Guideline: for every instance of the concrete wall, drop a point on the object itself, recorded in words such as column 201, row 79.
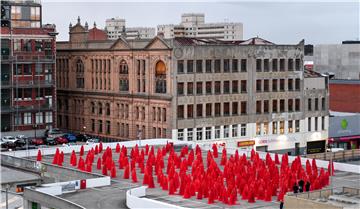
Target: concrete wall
column 296, row 203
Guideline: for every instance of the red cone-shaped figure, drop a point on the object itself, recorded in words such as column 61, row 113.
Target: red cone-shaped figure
column 113, row 172
column 39, row 156
column 96, row 149
column 117, row 149
column 133, row 175
column 100, row 147
column 151, row 181
column 82, row 150
column 126, row 172
column 98, row 165
column 104, row 171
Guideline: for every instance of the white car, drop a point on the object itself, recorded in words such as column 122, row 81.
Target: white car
column 9, row 139
column 92, row 141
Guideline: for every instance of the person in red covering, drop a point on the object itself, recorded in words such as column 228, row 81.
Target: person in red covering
column 127, row 172
column 113, row 172
column 39, row 156
column 82, row 150
column 215, row 150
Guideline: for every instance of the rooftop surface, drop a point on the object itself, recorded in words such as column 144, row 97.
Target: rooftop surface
column 13, row 176
column 114, row 196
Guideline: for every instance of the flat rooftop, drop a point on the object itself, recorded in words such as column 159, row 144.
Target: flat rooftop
column 14, row 176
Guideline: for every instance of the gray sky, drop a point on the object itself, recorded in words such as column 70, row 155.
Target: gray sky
column 279, row 22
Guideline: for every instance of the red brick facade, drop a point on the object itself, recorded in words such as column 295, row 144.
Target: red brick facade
column 345, row 97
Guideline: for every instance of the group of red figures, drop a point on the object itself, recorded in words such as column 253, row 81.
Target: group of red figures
column 185, row 173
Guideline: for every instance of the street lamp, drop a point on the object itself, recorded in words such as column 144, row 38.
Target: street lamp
column 84, row 130
column 329, row 146
column 7, row 187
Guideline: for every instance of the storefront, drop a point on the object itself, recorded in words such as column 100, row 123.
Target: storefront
column 344, row 130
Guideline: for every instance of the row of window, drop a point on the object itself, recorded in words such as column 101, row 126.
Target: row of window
column 277, row 127
column 278, row 106
column 315, row 105
column 212, row 109
column 29, row 118
column 263, row 65
column 277, row 85
column 212, row 87
column 208, row 133
column 316, row 127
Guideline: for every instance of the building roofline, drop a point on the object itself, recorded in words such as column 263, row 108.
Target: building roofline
column 344, row 81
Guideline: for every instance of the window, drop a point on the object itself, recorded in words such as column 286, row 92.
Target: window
column 226, row 109
column 226, row 66
column 274, row 126
column 100, row 126
column 180, row 111
column 309, row 124
column 297, row 126
column 282, row 84
column 323, row 104
column 199, row 110
column 163, row 114
column 235, row 87
column 217, row 87
column 297, row 104
column 243, row 129
column 243, row 86
column 190, row 134
column 217, row 66
column 226, row 87
column 190, row 88
column 282, row 127
column 199, row 134
column 181, row 134
column 217, row 109
column 108, row 127
column 208, row 66
column 274, row 106
column 92, row 125
column 235, row 108
column 180, row 88
column 199, row 88
column 266, row 106
column 160, row 77
column 316, row 124
column 258, row 85
column 180, row 66
column 123, row 76
column 274, row 85
column 207, row 133
column 290, row 85
column 234, row 130
column 290, row 105
column 226, row 132
column 208, row 110
column 258, row 129
column 297, row 65
column 190, row 66
column 48, row 117
column 243, row 65
column 323, row 123
column 199, row 67
column 258, row 107
column 266, row 65
column 282, row 64
column 107, row 106
column 297, row 84
column 290, row 126
column 309, row 104
column 208, row 87
column 217, row 132
column 316, row 104
column 290, row 65
column 190, row 111
column 99, row 109
column 243, row 108
column 258, row 65
column 39, row 117
column 265, row 128
column 274, row 65
column 93, row 107
column 266, row 85
column 235, row 67
column 282, row 105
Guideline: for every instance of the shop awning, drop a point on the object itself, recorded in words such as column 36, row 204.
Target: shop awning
column 348, row 138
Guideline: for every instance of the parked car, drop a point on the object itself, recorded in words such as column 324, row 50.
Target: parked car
column 82, row 137
column 55, row 132
column 92, row 141
column 20, row 140
column 7, row 145
column 61, row 140
column 8, row 138
column 50, row 141
column 70, row 137
column 37, row 141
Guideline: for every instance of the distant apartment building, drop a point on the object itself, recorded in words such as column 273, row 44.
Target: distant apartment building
column 116, row 28
column 340, row 61
column 247, row 94
column 28, row 92
column 193, row 26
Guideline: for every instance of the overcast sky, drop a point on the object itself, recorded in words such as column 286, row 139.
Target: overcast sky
column 279, row 22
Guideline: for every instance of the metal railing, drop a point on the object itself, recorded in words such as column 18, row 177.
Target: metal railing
column 337, row 156
column 28, row 58
column 8, row 109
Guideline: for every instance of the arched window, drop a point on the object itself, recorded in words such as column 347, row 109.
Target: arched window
column 93, row 107
column 100, row 108
column 160, row 77
column 123, row 76
column 79, row 74
column 107, row 105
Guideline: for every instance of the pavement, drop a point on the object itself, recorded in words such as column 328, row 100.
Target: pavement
column 114, row 196
column 15, row 201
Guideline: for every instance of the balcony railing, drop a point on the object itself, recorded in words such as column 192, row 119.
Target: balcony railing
column 28, row 58
column 29, row 108
column 31, row 83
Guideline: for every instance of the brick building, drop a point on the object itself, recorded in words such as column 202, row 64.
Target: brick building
column 248, row 94
column 344, row 95
column 27, row 69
